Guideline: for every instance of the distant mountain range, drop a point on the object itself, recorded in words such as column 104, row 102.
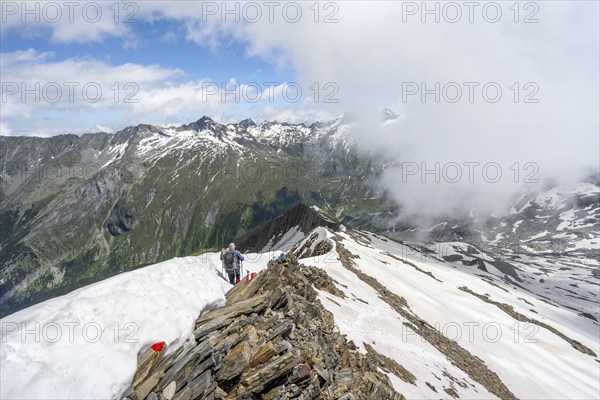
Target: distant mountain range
column 78, row 208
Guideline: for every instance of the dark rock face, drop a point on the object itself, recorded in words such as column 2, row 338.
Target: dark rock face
column 247, row 123
column 300, row 215
column 272, row 340
column 204, row 124
column 120, row 220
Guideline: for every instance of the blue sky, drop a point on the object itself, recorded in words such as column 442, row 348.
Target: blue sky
column 160, row 45
column 198, row 61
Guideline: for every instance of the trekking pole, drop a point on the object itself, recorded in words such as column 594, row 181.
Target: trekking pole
column 222, row 265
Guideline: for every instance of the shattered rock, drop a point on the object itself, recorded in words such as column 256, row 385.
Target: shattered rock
column 272, row 340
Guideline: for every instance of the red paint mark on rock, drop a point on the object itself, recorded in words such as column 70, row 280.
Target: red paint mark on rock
column 158, row 347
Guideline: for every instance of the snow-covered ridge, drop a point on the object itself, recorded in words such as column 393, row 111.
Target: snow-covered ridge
column 164, row 300
column 531, row 360
column 556, row 198
column 85, row 344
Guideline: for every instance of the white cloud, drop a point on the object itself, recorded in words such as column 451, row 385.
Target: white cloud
column 372, row 55
column 169, row 37
column 66, row 22
column 34, row 84
column 104, row 129
column 5, row 129
column 29, row 56
column 31, row 83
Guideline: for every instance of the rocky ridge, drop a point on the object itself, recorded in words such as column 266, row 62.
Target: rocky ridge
column 300, row 216
column 272, row 340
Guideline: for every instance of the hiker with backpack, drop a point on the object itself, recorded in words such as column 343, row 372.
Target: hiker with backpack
column 232, row 259
column 282, row 260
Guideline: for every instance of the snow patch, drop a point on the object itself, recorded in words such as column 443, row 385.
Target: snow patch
column 85, row 344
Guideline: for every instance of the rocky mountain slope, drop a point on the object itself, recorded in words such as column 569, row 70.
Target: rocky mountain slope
column 455, row 330
column 561, row 219
column 78, row 209
column 278, row 234
column 74, row 207
column 549, row 245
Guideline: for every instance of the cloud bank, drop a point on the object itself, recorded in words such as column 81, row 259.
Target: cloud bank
column 493, row 96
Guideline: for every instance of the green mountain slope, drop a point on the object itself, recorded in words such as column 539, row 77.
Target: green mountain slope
column 79, row 207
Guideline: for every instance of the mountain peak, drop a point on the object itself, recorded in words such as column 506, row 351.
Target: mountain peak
column 204, row 123
column 299, row 216
column 247, row 123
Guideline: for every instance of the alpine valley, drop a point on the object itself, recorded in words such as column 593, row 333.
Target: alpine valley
column 85, row 207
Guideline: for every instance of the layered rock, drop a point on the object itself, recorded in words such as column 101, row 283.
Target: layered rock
column 272, row 340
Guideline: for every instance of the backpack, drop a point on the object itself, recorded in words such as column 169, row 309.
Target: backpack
column 283, row 260
column 230, row 259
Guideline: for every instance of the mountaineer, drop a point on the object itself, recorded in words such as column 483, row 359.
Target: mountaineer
column 232, row 261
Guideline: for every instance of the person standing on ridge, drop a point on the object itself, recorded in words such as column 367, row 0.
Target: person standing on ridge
column 231, row 259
